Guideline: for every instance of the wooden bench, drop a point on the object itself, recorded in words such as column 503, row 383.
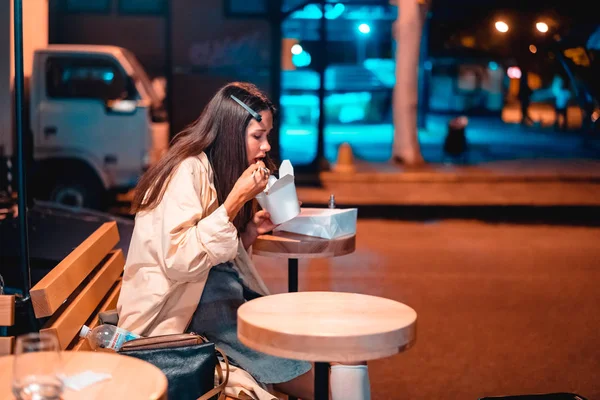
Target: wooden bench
column 7, row 318
column 84, row 284
column 72, row 294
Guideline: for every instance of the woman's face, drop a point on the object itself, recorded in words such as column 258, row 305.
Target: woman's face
column 257, row 137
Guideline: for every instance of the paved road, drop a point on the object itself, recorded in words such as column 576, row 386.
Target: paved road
column 503, row 309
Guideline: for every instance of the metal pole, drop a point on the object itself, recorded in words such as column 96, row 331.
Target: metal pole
column 21, row 164
column 424, row 74
column 321, row 381
column 169, row 65
column 320, row 160
column 292, row 275
column 276, row 21
column 292, row 286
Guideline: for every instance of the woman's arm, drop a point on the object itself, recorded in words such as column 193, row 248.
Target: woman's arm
column 191, row 241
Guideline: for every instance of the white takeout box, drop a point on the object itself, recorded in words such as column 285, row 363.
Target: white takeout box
column 326, row 223
column 280, row 199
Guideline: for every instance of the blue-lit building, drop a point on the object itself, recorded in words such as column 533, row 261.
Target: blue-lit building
column 200, row 45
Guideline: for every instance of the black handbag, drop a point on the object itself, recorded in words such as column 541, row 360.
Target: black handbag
column 189, row 362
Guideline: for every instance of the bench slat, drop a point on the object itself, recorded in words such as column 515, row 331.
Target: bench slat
column 7, row 310
column 50, row 292
column 109, row 304
column 6, row 345
column 70, row 321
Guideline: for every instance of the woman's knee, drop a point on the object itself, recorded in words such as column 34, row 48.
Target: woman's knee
column 301, row 387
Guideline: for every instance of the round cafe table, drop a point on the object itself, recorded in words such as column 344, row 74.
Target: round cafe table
column 326, row 327
column 132, row 379
column 294, row 246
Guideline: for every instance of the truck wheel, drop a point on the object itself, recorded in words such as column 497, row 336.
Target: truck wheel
column 82, row 192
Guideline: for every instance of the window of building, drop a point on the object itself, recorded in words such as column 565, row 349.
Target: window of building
column 245, row 8
column 87, row 6
column 151, row 7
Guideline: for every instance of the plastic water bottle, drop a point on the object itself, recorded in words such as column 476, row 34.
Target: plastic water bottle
column 106, row 336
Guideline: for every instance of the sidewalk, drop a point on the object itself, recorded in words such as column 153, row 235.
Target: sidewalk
column 506, row 165
column 529, row 182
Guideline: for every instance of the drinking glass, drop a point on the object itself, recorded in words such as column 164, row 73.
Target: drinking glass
column 37, row 368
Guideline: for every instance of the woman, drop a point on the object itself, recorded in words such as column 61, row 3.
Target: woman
column 187, row 268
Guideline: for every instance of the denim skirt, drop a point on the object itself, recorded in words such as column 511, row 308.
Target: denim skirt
column 216, row 318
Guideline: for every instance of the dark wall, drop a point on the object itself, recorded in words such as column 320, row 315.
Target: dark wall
column 143, row 34
column 210, row 48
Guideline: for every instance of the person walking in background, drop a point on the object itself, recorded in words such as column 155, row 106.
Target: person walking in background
column 562, row 95
column 525, row 97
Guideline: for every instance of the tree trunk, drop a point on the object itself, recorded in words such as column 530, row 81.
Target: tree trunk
column 407, row 31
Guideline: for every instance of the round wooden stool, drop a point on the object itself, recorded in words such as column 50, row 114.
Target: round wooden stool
column 294, row 246
column 326, row 327
column 132, row 379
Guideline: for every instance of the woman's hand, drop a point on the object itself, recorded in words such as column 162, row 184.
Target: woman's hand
column 261, row 223
column 253, row 181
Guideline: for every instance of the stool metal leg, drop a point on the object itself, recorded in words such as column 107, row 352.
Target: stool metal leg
column 321, row 381
column 292, row 275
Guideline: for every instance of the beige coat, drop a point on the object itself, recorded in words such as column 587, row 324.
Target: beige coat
column 172, row 249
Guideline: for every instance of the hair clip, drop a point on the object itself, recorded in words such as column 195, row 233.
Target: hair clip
column 254, row 114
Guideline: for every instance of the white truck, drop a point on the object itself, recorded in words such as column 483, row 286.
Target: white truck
column 94, row 122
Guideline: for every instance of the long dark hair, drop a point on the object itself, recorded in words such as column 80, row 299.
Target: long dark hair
column 220, row 132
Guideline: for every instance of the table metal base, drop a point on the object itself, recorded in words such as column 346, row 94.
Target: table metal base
column 292, row 285
column 321, row 381
column 292, row 275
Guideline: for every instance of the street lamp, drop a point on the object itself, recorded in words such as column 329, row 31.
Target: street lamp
column 501, row 26
column 542, row 27
column 364, row 30
column 297, row 49
column 514, row 72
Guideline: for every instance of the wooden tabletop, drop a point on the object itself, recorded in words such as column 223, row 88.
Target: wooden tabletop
column 132, row 379
column 293, row 245
column 327, row 326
